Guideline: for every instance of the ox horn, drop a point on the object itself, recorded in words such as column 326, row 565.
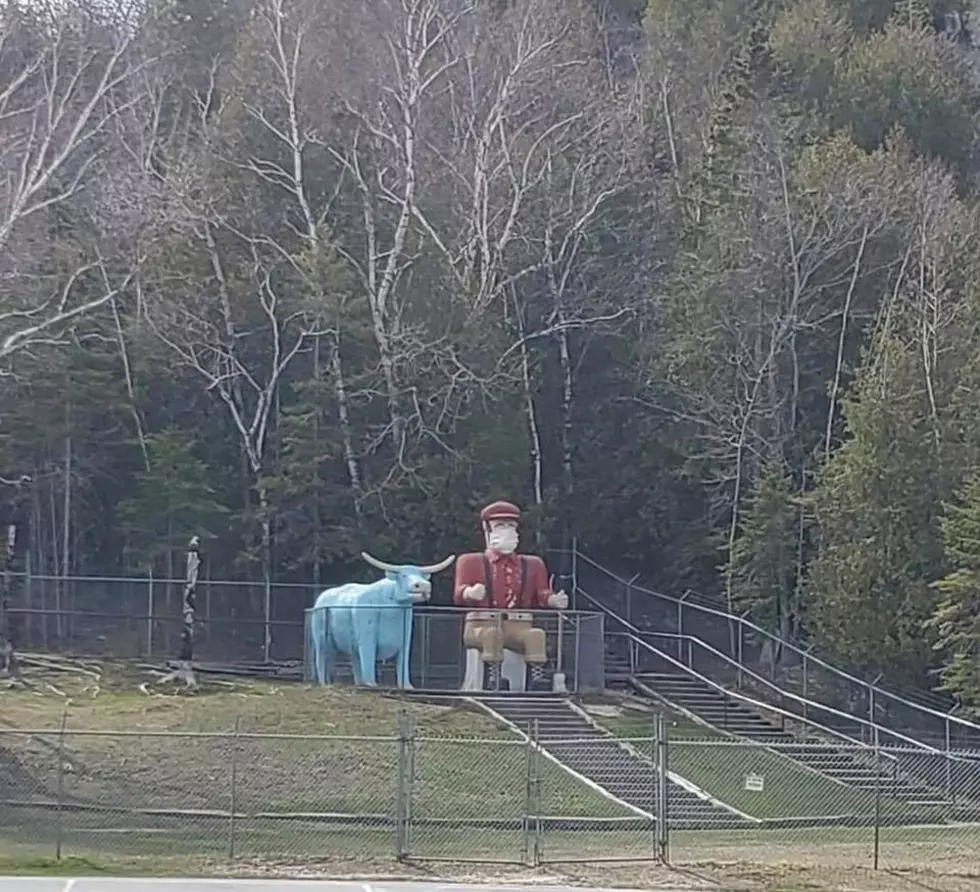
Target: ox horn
column 435, row 568
column 380, row 565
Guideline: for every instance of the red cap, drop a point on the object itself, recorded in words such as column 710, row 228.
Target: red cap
column 500, row 511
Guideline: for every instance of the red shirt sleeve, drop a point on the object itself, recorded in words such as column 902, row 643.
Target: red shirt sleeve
column 469, row 571
column 538, row 586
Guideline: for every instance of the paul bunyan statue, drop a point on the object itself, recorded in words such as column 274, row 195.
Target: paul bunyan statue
column 499, row 579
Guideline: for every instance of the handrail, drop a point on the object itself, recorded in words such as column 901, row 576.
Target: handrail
column 758, row 704
column 913, row 742
column 730, row 617
column 636, row 635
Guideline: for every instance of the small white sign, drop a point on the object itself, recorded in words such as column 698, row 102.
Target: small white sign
column 755, row 782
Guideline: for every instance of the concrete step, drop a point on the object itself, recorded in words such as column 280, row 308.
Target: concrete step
column 604, row 761
column 711, row 706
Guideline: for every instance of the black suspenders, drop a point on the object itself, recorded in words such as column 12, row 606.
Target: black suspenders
column 488, row 577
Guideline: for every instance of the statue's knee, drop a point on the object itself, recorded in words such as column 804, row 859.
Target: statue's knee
column 535, row 643
column 535, row 639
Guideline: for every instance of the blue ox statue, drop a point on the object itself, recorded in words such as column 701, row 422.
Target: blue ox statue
column 370, row 622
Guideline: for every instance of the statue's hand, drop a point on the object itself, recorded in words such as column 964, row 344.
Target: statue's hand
column 558, row 600
column 475, row 592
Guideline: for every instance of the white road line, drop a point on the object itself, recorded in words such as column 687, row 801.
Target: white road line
column 68, row 886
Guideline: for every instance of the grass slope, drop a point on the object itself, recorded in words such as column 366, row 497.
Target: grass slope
column 335, row 753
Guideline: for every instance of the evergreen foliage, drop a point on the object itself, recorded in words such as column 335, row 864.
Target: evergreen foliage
column 956, row 619
column 685, row 279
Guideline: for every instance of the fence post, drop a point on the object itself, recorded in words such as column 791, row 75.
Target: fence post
column 663, row 779
column 631, row 642
column 949, row 762
column 535, row 802
column 526, row 806
column 877, row 843
column 59, row 839
column 680, row 625
column 871, row 704
column 403, row 793
column 234, row 790
column 740, row 655
column 27, row 597
column 655, row 784
column 530, row 827
column 574, row 573
column 426, row 646
column 806, row 689
column 149, row 614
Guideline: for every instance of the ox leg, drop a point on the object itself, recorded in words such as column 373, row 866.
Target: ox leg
column 366, row 638
column 329, row 660
column 404, row 657
column 355, row 665
column 317, row 641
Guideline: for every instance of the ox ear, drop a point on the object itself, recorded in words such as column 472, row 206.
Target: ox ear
column 392, row 575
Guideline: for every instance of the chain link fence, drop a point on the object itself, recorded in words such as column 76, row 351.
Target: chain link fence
column 121, row 618
column 140, row 617
column 237, row 795
column 923, row 714
column 831, row 806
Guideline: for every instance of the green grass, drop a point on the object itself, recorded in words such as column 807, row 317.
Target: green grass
column 719, row 765
column 335, row 751
column 165, row 847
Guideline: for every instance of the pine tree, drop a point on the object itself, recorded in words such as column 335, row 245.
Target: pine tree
column 956, row 619
column 174, row 500
column 764, row 560
column 876, row 507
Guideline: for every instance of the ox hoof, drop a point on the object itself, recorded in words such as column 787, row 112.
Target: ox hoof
column 408, row 686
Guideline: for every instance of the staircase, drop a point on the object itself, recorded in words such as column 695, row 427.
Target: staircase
column 616, row 670
column 910, row 716
column 572, row 739
column 731, row 715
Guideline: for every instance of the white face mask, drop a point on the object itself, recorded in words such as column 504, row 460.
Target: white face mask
column 503, row 540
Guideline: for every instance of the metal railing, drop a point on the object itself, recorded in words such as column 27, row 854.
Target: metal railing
column 763, row 708
column 574, row 639
column 793, row 667
column 937, row 769
column 574, row 643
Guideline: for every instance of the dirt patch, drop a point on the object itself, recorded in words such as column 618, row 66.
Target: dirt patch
column 720, row 877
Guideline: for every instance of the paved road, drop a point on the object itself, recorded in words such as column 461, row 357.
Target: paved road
column 105, row 884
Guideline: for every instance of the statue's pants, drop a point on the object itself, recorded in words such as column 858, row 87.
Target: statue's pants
column 490, row 636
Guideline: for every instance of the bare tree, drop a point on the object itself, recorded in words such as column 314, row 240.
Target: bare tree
column 67, row 71
column 246, row 291
column 400, row 53
column 788, row 256
column 238, row 332
column 277, row 107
